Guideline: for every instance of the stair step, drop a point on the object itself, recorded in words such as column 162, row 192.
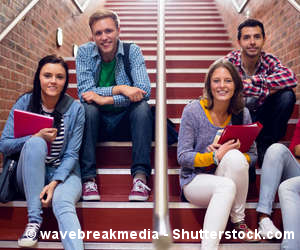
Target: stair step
column 145, row 246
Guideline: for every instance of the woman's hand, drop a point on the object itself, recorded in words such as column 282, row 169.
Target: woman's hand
column 224, row 148
column 48, row 134
column 47, row 193
column 213, row 147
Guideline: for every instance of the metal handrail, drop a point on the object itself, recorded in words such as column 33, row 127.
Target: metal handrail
column 161, row 222
column 18, row 18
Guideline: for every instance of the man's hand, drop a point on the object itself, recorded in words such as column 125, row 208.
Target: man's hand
column 133, row 93
column 91, row 96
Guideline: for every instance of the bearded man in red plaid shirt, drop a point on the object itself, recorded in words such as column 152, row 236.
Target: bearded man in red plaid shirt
column 267, row 84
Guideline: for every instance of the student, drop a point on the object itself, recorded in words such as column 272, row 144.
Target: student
column 267, row 84
column 49, row 179
column 215, row 175
column 279, row 164
column 115, row 107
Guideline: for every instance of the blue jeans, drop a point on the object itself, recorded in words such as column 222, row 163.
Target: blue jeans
column 289, row 196
column 274, row 114
column 33, row 175
column 279, row 164
column 135, row 123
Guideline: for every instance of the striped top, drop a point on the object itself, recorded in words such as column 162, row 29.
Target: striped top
column 53, row 159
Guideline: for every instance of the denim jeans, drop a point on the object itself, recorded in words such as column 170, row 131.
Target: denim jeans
column 289, row 196
column 279, row 164
column 33, row 175
column 135, row 123
column 274, row 115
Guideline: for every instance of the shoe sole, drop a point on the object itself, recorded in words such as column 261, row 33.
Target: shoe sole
column 91, row 198
column 137, row 198
column 27, row 244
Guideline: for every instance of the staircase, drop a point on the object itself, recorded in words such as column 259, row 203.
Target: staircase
column 195, row 37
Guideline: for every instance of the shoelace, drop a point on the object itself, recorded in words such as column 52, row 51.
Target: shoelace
column 140, row 186
column 31, row 230
column 91, row 186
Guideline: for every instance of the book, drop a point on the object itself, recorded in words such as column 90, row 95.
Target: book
column 28, row 123
column 246, row 133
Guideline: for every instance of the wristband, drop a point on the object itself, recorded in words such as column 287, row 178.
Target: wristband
column 215, row 158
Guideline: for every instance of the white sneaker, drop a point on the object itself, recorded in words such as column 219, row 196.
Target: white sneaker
column 267, row 229
column 30, row 235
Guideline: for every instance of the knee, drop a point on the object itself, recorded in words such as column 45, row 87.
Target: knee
column 287, row 98
column 91, row 110
column 236, row 160
column 141, row 111
column 276, row 151
column 36, row 143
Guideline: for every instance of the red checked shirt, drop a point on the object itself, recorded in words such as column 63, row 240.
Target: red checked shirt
column 269, row 74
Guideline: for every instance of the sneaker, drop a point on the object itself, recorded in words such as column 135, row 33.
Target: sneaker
column 250, row 236
column 139, row 192
column 267, row 229
column 30, row 235
column 90, row 191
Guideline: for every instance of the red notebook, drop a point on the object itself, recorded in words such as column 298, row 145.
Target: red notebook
column 28, row 123
column 246, row 133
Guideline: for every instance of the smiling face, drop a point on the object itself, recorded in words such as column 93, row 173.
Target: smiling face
column 105, row 35
column 222, row 85
column 52, row 80
column 251, row 41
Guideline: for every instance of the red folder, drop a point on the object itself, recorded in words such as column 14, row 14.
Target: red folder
column 246, row 133
column 28, row 123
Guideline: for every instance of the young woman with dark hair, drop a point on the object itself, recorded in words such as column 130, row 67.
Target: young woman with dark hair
column 213, row 175
column 54, row 178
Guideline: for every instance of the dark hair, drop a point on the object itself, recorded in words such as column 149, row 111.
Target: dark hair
column 104, row 13
column 35, row 104
column 250, row 23
column 237, row 102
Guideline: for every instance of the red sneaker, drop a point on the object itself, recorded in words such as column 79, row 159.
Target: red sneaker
column 139, row 192
column 90, row 191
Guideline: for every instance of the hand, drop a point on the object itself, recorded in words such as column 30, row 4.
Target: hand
column 47, row 193
column 48, row 134
column 224, row 148
column 213, row 147
column 133, row 93
column 89, row 96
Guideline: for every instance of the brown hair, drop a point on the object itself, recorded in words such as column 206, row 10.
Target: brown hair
column 104, row 13
column 237, row 102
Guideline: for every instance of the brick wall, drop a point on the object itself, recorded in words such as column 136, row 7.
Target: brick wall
column 34, row 37
column 282, row 27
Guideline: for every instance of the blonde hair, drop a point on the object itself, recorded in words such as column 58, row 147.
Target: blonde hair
column 104, row 13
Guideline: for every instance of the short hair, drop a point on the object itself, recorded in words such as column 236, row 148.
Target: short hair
column 250, row 23
column 237, row 102
column 104, row 13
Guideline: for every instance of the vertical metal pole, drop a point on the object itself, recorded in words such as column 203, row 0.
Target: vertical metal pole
column 161, row 213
